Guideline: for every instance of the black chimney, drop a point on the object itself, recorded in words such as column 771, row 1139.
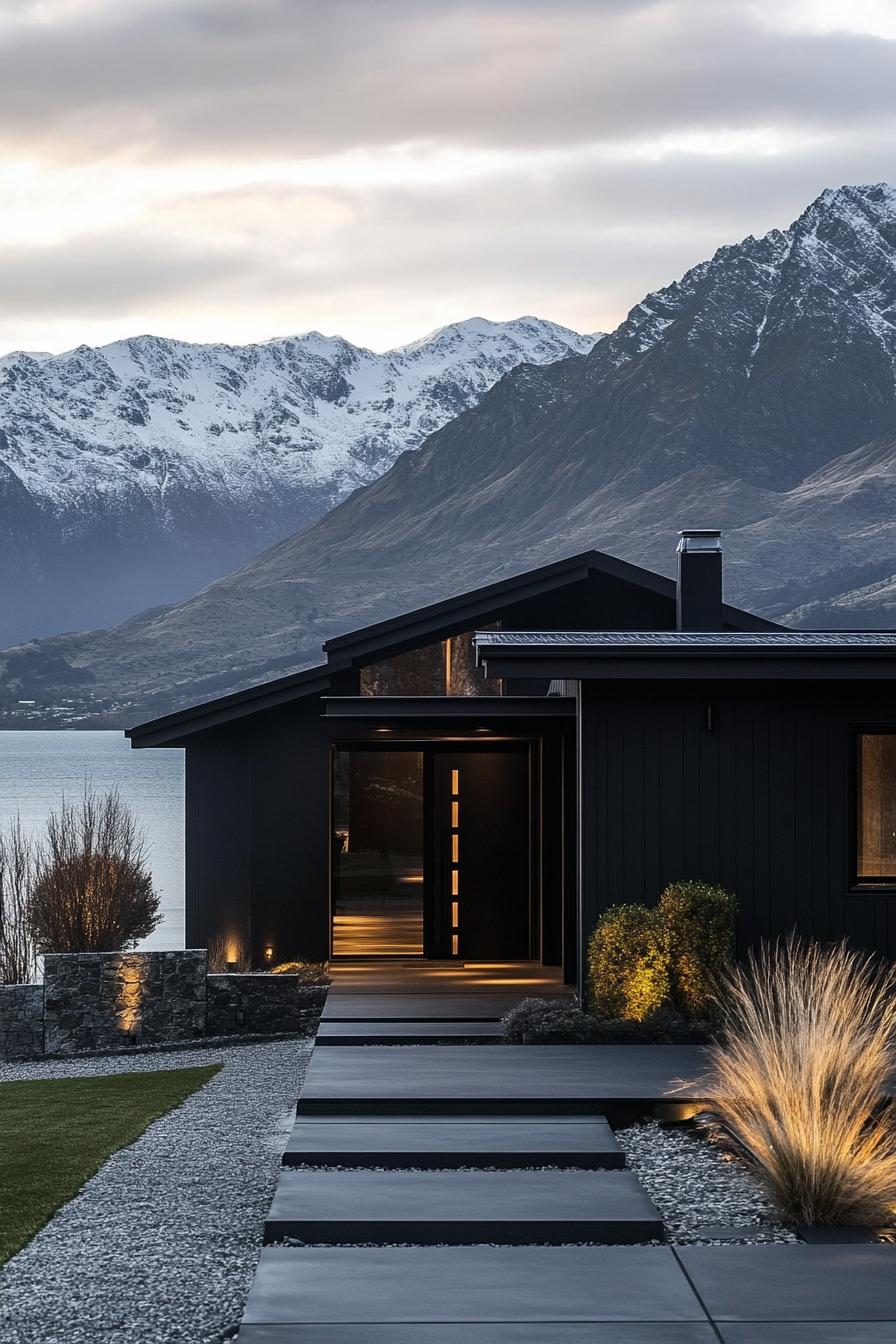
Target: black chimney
column 699, row 597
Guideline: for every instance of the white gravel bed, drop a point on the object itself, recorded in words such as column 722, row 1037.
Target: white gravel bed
column 161, row 1245
column 698, row 1188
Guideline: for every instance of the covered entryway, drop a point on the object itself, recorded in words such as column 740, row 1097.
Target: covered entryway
column 452, row 830
column 433, row 851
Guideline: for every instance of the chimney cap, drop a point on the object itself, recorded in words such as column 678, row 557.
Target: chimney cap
column 700, row 539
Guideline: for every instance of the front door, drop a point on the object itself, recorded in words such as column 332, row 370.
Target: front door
column 481, row 854
column 431, row 852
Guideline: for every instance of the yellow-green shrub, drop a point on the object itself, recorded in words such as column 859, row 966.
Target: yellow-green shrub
column 310, row 972
column 628, row 964
column 698, row 922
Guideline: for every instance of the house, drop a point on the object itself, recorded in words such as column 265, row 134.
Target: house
column 478, row 779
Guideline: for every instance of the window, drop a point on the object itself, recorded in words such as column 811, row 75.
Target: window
column 377, row 853
column 876, row 809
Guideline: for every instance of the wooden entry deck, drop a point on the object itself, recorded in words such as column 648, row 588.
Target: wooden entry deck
column 413, row 1002
column 512, row 979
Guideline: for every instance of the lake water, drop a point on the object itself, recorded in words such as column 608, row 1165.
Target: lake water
column 37, row 768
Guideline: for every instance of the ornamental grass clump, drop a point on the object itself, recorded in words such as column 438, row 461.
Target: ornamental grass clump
column 801, row 1079
column 698, row 922
column 628, row 964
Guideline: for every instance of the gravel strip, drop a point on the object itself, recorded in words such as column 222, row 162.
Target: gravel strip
column 698, row 1188
column 161, row 1245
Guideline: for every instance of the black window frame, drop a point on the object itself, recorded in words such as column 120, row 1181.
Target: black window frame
column 859, row 885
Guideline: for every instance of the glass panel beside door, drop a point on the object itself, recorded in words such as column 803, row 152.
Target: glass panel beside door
column 378, row 845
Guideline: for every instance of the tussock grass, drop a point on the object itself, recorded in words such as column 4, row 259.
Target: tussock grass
column 801, row 1077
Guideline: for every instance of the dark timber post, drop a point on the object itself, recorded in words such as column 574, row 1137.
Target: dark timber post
column 699, row 596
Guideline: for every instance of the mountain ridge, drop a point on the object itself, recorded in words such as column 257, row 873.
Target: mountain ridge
column 756, row 393
column 135, row 472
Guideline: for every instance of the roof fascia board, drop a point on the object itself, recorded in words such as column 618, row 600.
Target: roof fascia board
column 172, row 728
column 670, row 665
column 476, row 708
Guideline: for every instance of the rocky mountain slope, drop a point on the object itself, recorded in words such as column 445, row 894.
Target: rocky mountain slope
column 132, row 474
column 758, row 393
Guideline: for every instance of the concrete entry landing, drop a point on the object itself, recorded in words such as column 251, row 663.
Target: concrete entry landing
column 461, row 1207
column 554, row 1141
column 472, row 1079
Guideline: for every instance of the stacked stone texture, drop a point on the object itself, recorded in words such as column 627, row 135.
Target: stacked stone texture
column 259, row 1004
column 104, row 1000
column 93, row 1001
column 21, row 1021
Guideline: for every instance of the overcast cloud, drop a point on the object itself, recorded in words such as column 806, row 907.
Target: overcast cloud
column 238, row 169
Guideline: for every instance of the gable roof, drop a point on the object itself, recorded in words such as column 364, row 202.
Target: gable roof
column 385, row 638
column 455, row 614
column 168, row 729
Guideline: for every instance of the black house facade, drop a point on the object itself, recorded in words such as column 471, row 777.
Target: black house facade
column 477, row 780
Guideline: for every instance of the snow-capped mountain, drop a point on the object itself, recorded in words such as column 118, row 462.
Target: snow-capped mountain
column 132, row 473
column 757, row 394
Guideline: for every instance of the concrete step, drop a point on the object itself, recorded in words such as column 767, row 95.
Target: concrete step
column 473, row 1295
column 508, row 1079
column 407, row 1033
column 430, row 1208
column 544, row 1332
column 509, row 1142
column 430, row 1006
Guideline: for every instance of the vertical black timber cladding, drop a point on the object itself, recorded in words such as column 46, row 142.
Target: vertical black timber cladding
column 763, row 820
column 218, row 836
column 290, row 785
column 570, row 865
column 760, row 801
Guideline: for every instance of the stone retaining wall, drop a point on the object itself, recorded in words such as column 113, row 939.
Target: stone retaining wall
column 100, row 1000
column 106, row 1000
column 260, row 1004
column 21, row 1021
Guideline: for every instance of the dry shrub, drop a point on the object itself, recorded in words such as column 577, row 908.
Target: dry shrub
column 628, row 964
column 801, row 1079
column 228, row 954
column 18, row 960
column 92, row 888
column 699, row 927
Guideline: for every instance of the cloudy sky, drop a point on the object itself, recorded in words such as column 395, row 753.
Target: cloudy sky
column 239, row 169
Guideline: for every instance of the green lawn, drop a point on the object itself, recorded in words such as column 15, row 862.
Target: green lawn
column 56, row 1133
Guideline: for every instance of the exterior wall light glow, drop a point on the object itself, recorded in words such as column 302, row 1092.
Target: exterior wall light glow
column 268, row 952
